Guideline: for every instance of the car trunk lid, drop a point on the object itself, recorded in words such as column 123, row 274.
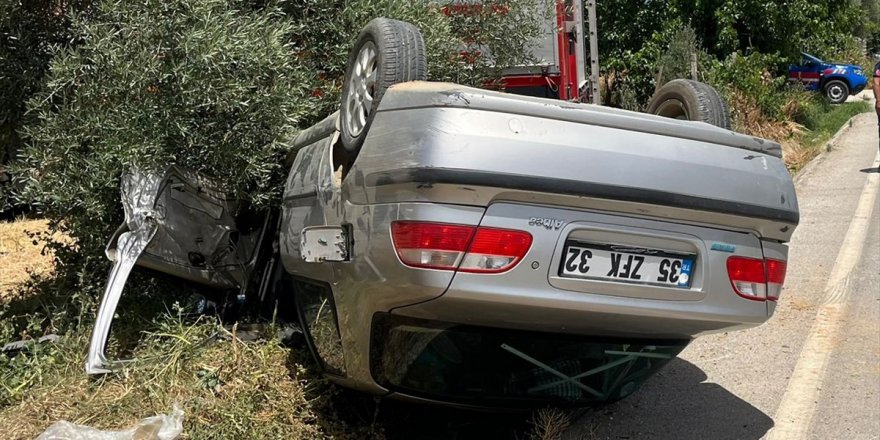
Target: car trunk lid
column 470, row 146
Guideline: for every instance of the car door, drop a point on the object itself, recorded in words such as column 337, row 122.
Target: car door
column 180, row 225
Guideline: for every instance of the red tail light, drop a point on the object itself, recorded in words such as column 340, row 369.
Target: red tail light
column 466, row 248
column 756, row 279
column 496, row 250
column 747, row 277
column 431, row 245
column 775, row 278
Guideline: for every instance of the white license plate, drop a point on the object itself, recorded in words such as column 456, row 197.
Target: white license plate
column 627, row 264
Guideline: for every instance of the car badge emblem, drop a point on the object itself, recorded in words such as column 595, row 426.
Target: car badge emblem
column 547, row 223
column 723, row 247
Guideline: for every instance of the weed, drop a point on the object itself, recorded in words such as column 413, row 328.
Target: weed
column 823, row 119
column 23, row 254
column 550, row 424
column 228, row 388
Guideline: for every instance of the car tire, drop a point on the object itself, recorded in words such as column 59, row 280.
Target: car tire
column 836, row 91
column 387, row 52
column 692, row 101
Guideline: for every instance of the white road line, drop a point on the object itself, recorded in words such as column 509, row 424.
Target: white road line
column 795, row 413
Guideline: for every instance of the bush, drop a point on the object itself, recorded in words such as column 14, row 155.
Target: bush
column 216, row 86
column 676, row 62
column 754, row 77
column 196, row 83
column 29, row 29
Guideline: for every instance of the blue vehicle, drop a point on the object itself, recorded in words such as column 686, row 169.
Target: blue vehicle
column 836, row 81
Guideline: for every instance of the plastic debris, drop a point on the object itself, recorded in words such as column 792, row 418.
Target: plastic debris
column 161, row 427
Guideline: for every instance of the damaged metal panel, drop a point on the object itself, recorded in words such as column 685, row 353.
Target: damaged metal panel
column 197, row 238
column 182, row 225
column 312, row 198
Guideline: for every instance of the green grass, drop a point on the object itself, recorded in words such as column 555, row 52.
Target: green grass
column 823, row 120
column 226, row 387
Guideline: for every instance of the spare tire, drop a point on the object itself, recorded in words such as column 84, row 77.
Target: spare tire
column 690, row 100
column 387, row 52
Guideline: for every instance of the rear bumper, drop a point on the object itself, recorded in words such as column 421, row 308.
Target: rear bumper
column 531, row 297
column 586, row 314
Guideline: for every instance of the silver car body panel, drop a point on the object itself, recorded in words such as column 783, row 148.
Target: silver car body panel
column 180, row 224
column 434, row 142
column 450, row 154
column 539, row 299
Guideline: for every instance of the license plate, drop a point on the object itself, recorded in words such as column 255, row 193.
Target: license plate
column 627, row 264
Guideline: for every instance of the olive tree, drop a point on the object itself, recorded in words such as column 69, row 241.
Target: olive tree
column 216, row 86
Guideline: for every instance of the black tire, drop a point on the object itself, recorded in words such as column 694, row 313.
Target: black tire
column 399, row 57
column 690, row 100
column 836, row 91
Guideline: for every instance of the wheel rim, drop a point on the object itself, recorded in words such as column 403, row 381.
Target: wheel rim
column 361, row 89
column 835, row 92
column 673, row 108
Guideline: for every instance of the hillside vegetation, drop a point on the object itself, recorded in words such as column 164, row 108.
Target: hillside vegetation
column 89, row 88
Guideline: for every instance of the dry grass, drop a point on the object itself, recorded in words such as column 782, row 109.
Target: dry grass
column 800, row 144
column 550, row 424
column 227, row 389
column 22, row 254
column 750, row 120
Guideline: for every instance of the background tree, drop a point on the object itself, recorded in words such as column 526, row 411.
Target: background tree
column 30, row 30
column 634, row 35
column 217, row 86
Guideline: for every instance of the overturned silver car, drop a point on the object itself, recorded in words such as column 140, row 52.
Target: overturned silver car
column 443, row 243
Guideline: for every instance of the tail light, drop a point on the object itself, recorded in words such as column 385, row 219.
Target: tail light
column 775, row 278
column 466, row 248
column 756, row 279
column 496, row 250
column 431, row 245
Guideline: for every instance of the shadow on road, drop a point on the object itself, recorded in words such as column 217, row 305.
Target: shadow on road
column 870, row 170
column 676, row 404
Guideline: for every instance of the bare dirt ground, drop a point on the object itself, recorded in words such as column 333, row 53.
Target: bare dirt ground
column 22, row 254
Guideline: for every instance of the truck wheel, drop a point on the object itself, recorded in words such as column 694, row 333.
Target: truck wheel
column 387, row 52
column 692, row 101
column 836, row 91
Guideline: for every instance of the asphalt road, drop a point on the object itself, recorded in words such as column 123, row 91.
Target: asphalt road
column 811, row 372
